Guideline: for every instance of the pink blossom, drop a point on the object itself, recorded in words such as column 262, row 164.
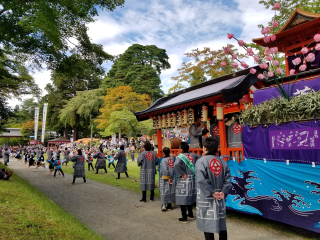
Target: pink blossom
column 263, row 31
column 249, row 51
column 266, row 39
column 296, row 61
column 223, row 64
column 209, row 62
column 276, row 6
column 304, row 50
column 292, row 72
column 250, row 54
column 270, row 74
column 269, row 58
column 275, row 50
column 241, row 43
column 310, row 57
column 303, row 67
column 273, row 37
column 230, row 35
column 260, row 76
column 244, row 65
column 226, row 49
column 263, row 65
column 256, row 58
column 268, row 29
column 317, row 37
column 235, row 64
column 317, row 47
column 267, row 50
column 274, row 23
column 279, row 70
column 275, row 62
column 235, row 56
column 253, row 71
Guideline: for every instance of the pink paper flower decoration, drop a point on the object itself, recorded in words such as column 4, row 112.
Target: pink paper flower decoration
column 274, row 23
column 275, row 62
column 256, row 58
column 310, row 57
column 268, row 29
column 266, row 39
column 250, row 54
column 253, row 71
column 235, row 64
column 304, row 50
column 263, row 31
column 279, row 70
column 270, row 74
column 273, row 37
column 317, row 47
column 249, row 50
column 269, row 58
column 275, row 50
column 235, row 56
column 209, row 62
column 292, row 72
column 260, row 76
column 267, row 50
column 296, row 61
column 226, row 49
column 276, row 6
column 244, row 65
column 241, row 43
column 263, row 65
column 230, row 35
column 303, row 67
column 317, row 37
column 223, row 64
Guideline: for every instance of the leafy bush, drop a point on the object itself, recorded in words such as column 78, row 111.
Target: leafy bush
column 281, row 110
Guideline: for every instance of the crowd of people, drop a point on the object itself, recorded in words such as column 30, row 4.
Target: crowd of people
column 186, row 179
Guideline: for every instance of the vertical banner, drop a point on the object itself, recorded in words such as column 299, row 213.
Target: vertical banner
column 36, row 121
column 44, row 118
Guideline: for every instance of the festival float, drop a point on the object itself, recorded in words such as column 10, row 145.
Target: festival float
column 272, row 146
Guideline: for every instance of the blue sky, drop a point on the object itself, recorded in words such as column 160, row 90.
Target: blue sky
column 175, row 25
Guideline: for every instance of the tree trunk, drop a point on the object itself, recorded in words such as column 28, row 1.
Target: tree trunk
column 74, row 134
column 66, row 135
column 119, row 134
column 91, row 131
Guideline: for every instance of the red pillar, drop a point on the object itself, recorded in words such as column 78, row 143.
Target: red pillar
column 223, row 138
column 159, row 138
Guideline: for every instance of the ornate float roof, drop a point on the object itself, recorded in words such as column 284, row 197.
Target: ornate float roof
column 298, row 29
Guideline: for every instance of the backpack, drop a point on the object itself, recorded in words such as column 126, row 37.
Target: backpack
column 58, row 162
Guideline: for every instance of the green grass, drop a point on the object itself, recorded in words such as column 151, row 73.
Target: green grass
column 26, row 213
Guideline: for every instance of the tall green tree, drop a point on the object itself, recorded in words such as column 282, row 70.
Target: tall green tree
column 139, row 67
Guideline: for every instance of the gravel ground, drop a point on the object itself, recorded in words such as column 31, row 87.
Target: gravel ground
column 117, row 213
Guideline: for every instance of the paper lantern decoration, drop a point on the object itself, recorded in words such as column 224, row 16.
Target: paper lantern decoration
column 173, row 120
column 184, row 117
column 220, row 115
column 164, row 121
column 159, row 122
column 154, row 119
column 190, row 116
column 204, row 113
column 179, row 120
column 169, row 120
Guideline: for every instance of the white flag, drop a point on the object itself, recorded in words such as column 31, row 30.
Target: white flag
column 44, row 119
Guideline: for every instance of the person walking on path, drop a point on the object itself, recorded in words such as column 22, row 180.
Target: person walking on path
column 6, row 156
column 78, row 166
column 148, row 161
column 167, row 181
column 57, row 165
column 186, row 193
column 122, row 162
column 213, row 183
column 101, row 161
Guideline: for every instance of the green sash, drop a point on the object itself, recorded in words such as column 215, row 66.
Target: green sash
column 188, row 163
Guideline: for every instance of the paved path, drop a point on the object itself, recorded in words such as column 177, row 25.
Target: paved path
column 117, row 213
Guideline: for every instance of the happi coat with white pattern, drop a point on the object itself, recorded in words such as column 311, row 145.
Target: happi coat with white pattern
column 101, row 160
column 148, row 161
column 78, row 166
column 186, row 193
column 122, row 162
column 213, row 175
column 167, row 190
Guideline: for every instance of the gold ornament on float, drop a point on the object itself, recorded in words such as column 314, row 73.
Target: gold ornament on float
column 164, row 121
column 159, row 122
column 184, row 117
column 204, row 113
column 169, row 120
column 179, row 119
column 190, row 116
column 154, row 120
column 173, row 120
column 219, row 109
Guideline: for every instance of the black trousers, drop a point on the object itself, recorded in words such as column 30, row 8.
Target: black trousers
column 97, row 170
column 210, row 236
column 90, row 164
column 55, row 171
column 125, row 173
column 144, row 195
column 184, row 209
column 112, row 165
column 74, row 179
